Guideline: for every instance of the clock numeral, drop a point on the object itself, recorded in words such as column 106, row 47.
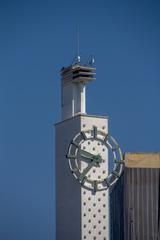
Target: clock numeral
column 71, row 156
column 115, row 174
column 82, row 181
column 74, row 170
column 115, row 148
column 107, row 182
column 120, row 161
column 84, row 135
column 95, row 132
column 95, row 186
column 75, row 144
column 106, row 138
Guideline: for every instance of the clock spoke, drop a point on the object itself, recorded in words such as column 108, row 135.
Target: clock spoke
column 106, row 138
column 119, row 161
column 94, row 132
column 115, row 174
column 83, row 135
column 95, row 185
column 75, row 144
column 75, row 169
column 71, row 156
column 107, row 182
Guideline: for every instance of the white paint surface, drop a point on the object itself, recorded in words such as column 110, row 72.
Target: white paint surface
column 71, row 212
column 73, row 99
column 95, row 207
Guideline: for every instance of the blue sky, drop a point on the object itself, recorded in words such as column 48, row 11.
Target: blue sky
column 37, row 38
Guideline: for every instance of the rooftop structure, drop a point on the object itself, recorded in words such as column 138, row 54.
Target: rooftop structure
column 74, row 79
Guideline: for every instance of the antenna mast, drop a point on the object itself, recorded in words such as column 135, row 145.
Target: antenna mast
column 78, row 55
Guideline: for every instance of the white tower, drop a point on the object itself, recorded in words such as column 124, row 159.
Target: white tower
column 82, row 181
column 74, row 79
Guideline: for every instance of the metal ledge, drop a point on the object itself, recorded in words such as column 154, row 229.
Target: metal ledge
column 142, row 160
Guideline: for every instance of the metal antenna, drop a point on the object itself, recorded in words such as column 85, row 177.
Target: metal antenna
column 78, row 56
column 91, row 61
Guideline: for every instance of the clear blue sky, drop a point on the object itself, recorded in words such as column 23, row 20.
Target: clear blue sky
column 37, row 38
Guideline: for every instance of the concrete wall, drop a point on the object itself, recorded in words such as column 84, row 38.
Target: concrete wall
column 80, row 214
column 68, row 193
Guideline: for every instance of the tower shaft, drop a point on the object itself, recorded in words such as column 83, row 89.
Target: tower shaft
column 74, row 79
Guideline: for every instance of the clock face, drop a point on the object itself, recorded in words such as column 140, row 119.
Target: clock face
column 88, row 159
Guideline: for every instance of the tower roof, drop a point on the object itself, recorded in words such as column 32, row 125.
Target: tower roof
column 77, row 73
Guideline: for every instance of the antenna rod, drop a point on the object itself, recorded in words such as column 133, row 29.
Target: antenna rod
column 78, row 56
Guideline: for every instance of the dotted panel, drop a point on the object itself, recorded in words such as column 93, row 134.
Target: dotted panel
column 94, row 206
column 96, row 147
column 94, row 215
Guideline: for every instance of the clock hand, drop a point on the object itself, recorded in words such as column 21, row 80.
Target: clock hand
column 96, row 158
column 86, row 154
column 86, row 170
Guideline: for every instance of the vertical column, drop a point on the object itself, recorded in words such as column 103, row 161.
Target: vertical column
column 95, row 206
column 83, row 98
column 68, row 198
column 78, row 99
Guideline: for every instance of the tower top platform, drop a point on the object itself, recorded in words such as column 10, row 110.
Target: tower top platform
column 78, row 74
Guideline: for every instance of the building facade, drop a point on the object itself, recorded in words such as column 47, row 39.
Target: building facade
column 135, row 199
column 82, row 174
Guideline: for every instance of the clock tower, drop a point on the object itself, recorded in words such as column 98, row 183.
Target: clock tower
column 82, row 149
